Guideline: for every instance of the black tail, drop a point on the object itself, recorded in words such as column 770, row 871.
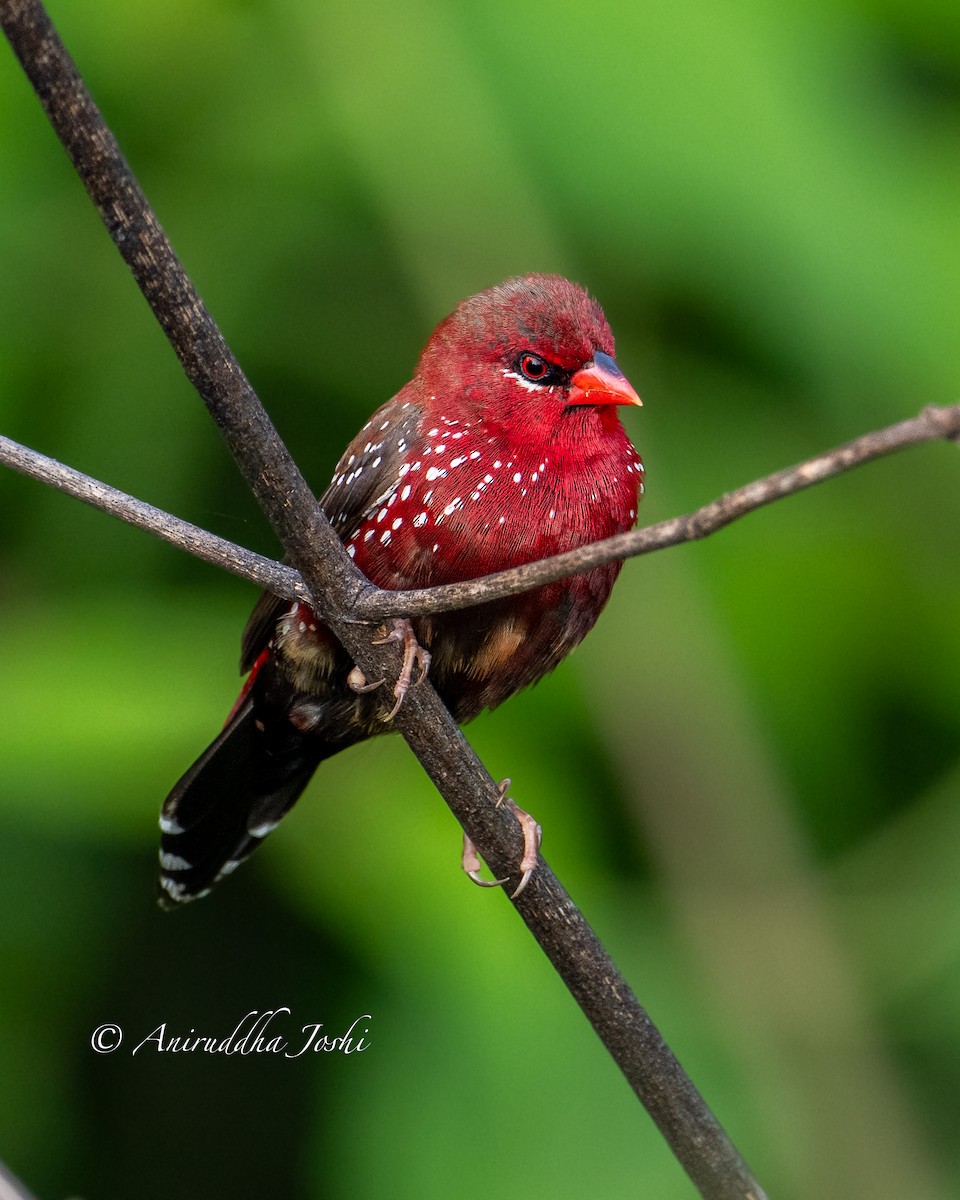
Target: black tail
column 229, row 800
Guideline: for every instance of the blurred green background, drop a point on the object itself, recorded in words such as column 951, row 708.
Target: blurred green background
column 748, row 775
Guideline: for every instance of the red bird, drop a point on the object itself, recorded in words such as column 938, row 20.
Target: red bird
column 504, row 448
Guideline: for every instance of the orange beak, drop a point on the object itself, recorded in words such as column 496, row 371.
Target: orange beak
column 601, row 382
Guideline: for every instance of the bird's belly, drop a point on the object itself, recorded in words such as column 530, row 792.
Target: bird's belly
column 484, row 655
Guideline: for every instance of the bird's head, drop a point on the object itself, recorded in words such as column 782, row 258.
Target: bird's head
column 531, row 349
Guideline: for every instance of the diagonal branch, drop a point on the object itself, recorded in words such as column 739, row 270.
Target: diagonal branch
column 932, row 424
column 370, row 603
column 281, row 580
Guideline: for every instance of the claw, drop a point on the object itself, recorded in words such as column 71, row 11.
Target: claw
column 413, row 655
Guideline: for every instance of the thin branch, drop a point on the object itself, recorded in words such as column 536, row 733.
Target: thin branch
column 371, row 603
column 281, row 580
column 932, row 424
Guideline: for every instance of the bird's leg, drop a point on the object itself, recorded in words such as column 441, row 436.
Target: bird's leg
column 414, row 655
column 532, row 836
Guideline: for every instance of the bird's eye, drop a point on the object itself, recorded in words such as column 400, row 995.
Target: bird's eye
column 534, row 368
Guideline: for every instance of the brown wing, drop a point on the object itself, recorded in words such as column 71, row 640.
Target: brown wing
column 364, row 478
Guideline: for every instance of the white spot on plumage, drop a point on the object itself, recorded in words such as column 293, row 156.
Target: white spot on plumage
column 377, row 461
column 435, row 473
column 174, row 862
column 517, row 477
column 433, row 432
column 420, row 519
column 456, row 462
column 368, row 535
column 406, row 491
column 351, row 550
column 397, row 523
column 385, row 537
column 474, row 454
column 381, row 514
column 302, row 626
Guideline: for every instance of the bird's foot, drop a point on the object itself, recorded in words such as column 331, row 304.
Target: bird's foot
column 414, row 655
column 532, row 836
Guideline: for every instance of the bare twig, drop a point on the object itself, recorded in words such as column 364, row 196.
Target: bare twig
column 281, row 580
column 370, row 603
column 932, row 424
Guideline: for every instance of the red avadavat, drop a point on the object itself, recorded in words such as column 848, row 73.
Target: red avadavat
column 504, row 448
